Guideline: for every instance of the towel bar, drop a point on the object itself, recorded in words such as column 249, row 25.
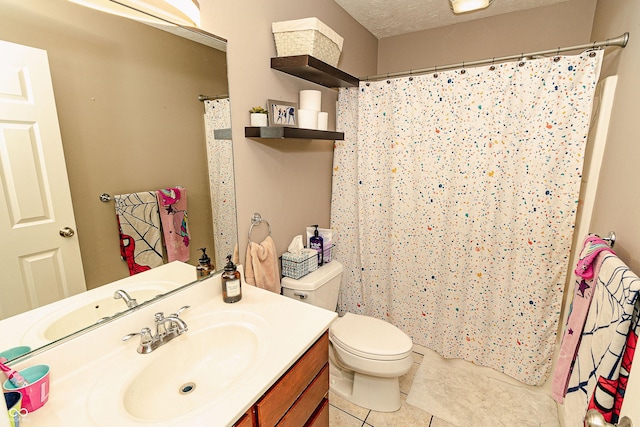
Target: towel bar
column 256, row 219
column 611, row 239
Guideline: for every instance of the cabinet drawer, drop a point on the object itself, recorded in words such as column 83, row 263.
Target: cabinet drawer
column 321, row 416
column 301, row 411
column 246, row 420
column 277, row 401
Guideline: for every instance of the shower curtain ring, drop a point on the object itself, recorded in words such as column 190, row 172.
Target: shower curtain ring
column 493, row 64
column 410, row 75
column 463, row 70
column 435, row 71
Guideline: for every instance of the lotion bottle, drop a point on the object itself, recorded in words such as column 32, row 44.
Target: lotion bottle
column 231, row 283
column 316, row 243
column 204, row 267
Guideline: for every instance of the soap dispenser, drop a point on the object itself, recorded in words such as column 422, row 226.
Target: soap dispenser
column 231, row 283
column 204, row 267
column 315, row 242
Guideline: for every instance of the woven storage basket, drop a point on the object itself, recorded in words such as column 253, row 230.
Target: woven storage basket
column 308, row 36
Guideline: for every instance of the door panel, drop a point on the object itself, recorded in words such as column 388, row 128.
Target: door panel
column 35, row 201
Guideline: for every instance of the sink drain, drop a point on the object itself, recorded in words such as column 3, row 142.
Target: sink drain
column 187, row 388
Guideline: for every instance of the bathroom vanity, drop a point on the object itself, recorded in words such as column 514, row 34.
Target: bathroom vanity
column 261, row 361
column 299, row 397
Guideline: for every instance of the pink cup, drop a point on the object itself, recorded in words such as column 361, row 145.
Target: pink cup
column 36, row 393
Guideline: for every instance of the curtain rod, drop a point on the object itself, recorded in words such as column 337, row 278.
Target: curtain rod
column 620, row 41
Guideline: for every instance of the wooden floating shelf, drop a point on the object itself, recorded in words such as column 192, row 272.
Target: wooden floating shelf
column 312, row 69
column 284, row 132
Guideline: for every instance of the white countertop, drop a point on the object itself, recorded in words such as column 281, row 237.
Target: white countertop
column 292, row 327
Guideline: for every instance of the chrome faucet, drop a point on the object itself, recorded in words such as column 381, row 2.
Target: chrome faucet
column 167, row 328
column 121, row 294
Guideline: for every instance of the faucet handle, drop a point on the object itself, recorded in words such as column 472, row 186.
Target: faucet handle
column 146, row 340
column 145, row 336
column 177, row 313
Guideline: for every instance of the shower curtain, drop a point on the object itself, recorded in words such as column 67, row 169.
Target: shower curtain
column 454, row 198
column 217, row 123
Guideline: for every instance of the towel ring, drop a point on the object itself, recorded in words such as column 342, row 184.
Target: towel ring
column 256, row 219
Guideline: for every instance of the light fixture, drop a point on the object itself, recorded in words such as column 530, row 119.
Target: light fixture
column 181, row 12
column 463, row 6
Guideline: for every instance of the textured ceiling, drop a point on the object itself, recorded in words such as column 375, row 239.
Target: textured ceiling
column 387, row 18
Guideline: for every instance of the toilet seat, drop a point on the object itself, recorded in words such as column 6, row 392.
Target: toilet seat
column 370, row 338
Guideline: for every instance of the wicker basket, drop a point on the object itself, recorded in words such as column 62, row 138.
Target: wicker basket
column 308, row 36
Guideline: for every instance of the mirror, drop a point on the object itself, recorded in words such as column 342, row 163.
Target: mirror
column 130, row 118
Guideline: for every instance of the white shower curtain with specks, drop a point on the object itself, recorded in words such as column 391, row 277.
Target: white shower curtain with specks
column 454, row 199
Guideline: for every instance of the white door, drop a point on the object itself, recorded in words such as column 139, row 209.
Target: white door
column 40, row 266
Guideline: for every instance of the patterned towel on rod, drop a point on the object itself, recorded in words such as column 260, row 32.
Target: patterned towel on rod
column 608, row 340
column 139, row 228
column 173, row 216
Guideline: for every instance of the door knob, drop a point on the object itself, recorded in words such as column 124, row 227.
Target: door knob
column 67, row 232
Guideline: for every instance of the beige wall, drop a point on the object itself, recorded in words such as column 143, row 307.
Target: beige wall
column 287, row 181
column 126, row 96
column 618, row 198
column 562, row 24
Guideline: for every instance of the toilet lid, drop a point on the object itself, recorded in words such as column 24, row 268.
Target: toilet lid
column 369, row 337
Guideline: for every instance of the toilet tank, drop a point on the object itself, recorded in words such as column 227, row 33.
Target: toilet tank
column 319, row 288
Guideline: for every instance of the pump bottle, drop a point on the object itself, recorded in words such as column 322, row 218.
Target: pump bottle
column 315, row 242
column 231, row 283
column 204, row 267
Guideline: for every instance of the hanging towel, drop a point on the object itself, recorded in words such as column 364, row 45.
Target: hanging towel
column 173, row 215
column 261, row 266
column 593, row 245
column 139, row 228
column 603, row 360
column 587, row 268
column 582, row 295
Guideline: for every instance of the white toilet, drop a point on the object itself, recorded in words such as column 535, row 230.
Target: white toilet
column 367, row 355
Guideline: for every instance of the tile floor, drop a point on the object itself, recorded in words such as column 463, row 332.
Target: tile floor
column 345, row 414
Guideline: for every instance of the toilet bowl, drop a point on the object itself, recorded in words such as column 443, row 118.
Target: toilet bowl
column 366, row 355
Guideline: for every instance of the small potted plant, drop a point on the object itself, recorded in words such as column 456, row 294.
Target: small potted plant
column 258, row 116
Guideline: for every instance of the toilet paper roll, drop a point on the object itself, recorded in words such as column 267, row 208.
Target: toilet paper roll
column 323, row 120
column 308, row 119
column 310, row 100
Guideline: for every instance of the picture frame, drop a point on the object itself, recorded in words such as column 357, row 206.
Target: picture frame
column 282, row 113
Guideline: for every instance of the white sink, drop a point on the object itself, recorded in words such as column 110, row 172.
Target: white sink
column 185, row 376
column 90, row 308
column 232, row 353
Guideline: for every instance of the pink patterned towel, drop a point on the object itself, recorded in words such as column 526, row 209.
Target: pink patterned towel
column 582, row 296
column 593, row 245
column 173, row 215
